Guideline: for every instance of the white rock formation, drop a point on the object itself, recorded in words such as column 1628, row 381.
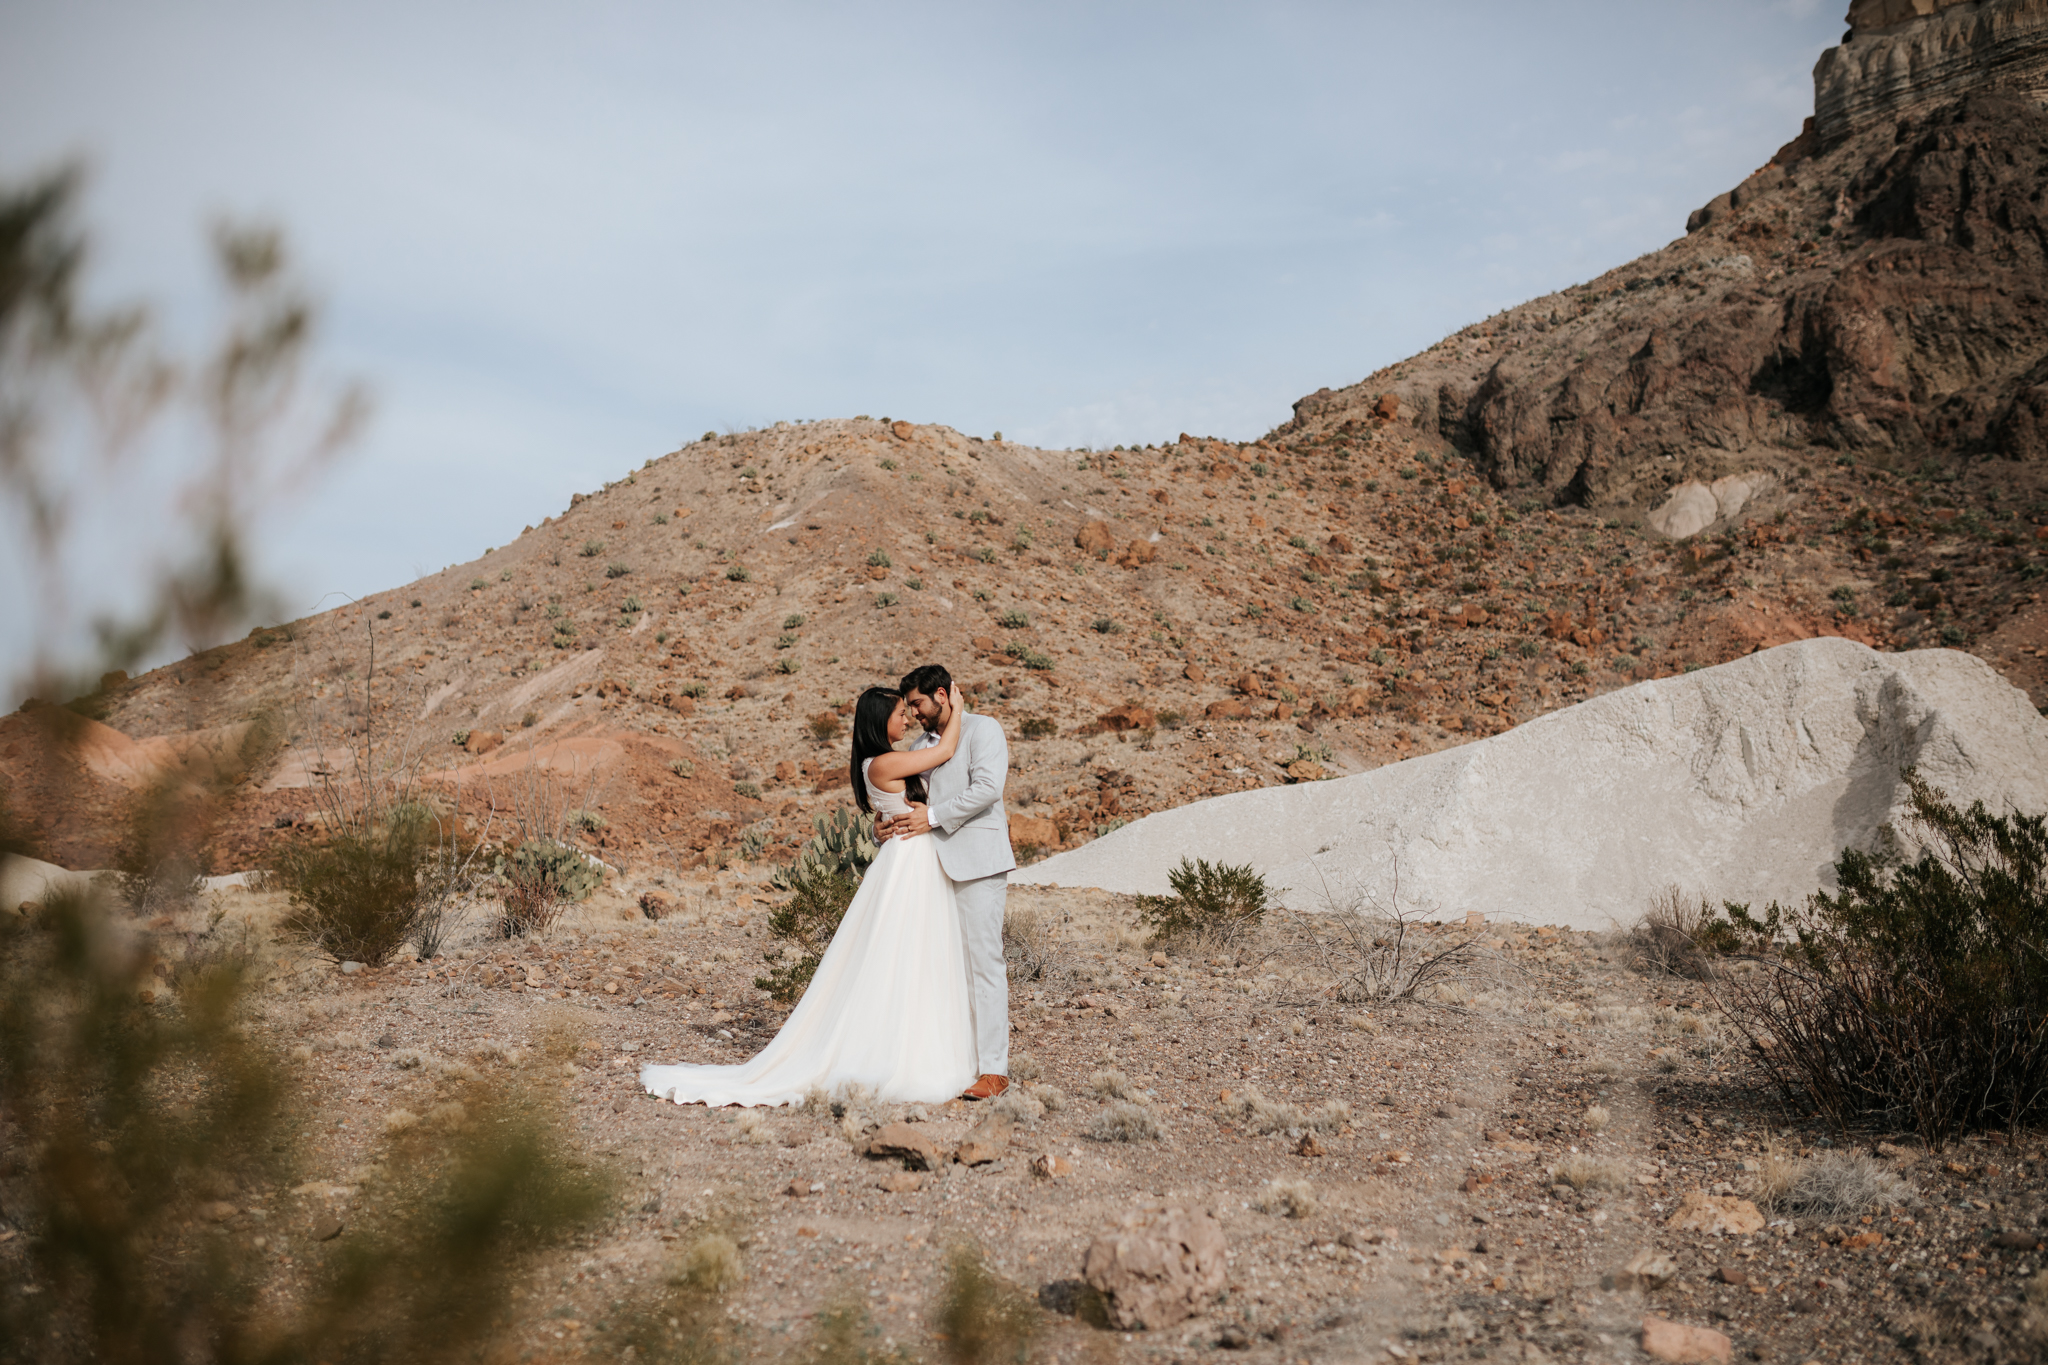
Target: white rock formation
column 1693, row 507
column 1742, row 782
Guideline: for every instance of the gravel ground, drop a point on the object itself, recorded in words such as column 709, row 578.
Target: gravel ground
column 1425, row 1220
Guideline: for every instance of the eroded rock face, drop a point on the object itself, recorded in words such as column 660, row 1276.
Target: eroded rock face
column 1902, row 58
column 1159, row 1267
column 1875, row 291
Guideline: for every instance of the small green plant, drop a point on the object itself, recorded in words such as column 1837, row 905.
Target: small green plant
column 1027, row 656
column 793, row 621
column 616, row 570
column 1298, row 542
column 1105, row 625
column 1528, row 649
column 738, row 574
column 821, row 881
column 537, row 878
column 787, row 665
column 787, row 640
column 888, row 463
column 885, row 599
column 914, row 584
column 682, row 767
column 587, row 821
column 692, row 689
column 476, row 585
column 1302, row 604
column 986, row 555
column 632, row 604
column 592, row 549
column 879, row 559
column 415, row 601
column 824, row 727
column 661, row 518
column 459, row 738
column 983, row 1318
column 1039, row 727
column 750, row 790
column 1171, row 719
column 1014, row 620
column 384, row 615
column 1209, row 902
column 1580, row 668
column 661, row 637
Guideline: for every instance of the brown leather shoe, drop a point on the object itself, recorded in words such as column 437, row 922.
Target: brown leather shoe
column 987, row 1088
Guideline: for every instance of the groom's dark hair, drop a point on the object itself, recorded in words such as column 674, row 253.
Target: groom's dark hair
column 928, row 679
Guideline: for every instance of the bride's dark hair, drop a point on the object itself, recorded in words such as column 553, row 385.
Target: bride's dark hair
column 871, row 738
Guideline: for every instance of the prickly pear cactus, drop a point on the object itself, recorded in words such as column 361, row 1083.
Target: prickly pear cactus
column 845, row 844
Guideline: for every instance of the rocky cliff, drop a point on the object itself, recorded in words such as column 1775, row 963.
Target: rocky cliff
column 1879, row 297
column 1902, row 58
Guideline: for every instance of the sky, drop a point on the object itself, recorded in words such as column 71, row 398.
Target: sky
column 556, row 240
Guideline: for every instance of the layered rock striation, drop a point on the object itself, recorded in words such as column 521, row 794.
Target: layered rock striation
column 1902, row 58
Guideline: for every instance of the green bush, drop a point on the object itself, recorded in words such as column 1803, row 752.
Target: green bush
column 537, row 879
column 793, row 621
column 616, row 570
column 357, row 897
column 592, row 549
column 1917, row 993
column 1027, row 656
column 787, row 665
column 885, row 599
column 879, row 559
column 1105, row 625
column 1209, row 901
column 738, row 574
column 821, row 881
column 1014, row 620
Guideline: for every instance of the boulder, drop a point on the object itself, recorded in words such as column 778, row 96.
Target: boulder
column 1646, row 1270
column 1032, row 830
column 1692, row 507
column 1683, row 1345
column 1129, row 716
column 1230, row 709
column 1743, row 782
column 905, row 1142
column 1716, row 1213
column 1388, row 407
column 1095, row 538
column 483, row 741
column 1158, row 1267
column 655, row 904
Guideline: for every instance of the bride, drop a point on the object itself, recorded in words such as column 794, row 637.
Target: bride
column 889, row 1006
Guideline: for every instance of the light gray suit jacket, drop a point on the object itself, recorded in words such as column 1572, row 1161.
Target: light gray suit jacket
column 966, row 802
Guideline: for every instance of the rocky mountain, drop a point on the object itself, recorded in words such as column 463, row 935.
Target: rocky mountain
column 1820, row 412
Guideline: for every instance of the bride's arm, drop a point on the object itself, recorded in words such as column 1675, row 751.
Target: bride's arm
column 893, row 765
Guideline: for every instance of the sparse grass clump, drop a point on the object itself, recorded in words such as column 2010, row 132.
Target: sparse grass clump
column 1123, row 1122
column 982, row 1318
column 1290, row 1199
column 1039, row 727
column 1261, row 1115
column 1831, row 1184
column 1583, row 1172
column 1210, row 902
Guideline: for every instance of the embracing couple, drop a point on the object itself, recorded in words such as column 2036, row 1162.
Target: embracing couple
column 912, row 997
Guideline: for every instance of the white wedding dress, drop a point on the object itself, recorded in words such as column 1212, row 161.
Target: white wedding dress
column 888, row 1008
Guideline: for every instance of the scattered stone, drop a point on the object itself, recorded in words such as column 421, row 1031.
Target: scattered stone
column 1308, row 1146
column 326, row 1229
column 986, row 1141
column 655, row 904
column 1095, row 538
column 901, row 1182
column 1159, row 1267
column 1046, row 1166
column 2015, row 1239
column 351, row 968
column 1730, row 1274
column 1645, row 1271
column 1716, row 1213
column 906, row 1143
column 1683, row 1345
column 217, row 1211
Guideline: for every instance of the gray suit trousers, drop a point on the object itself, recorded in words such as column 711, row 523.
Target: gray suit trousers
column 980, row 903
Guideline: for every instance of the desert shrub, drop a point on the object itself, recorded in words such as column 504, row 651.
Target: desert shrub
column 537, row 878
column 821, row 880
column 793, row 621
column 787, row 665
column 1681, row 935
column 1209, row 902
column 1918, row 992
column 750, row 790
column 982, row 1318
column 1027, row 656
column 738, row 573
column 824, row 727
column 588, row 821
column 592, row 549
column 1033, row 951
column 693, row 689
column 879, row 559
column 1378, row 950
column 844, row 1334
column 885, row 599
column 1107, row 625
column 1039, row 727
column 616, row 570
column 1122, row 1122
column 1830, row 1184
column 1171, row 719
column 359, row 897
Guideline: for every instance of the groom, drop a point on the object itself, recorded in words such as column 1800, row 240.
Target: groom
column 966, row 814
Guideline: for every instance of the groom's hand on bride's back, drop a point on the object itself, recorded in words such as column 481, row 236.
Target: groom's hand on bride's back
column 907, row 826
